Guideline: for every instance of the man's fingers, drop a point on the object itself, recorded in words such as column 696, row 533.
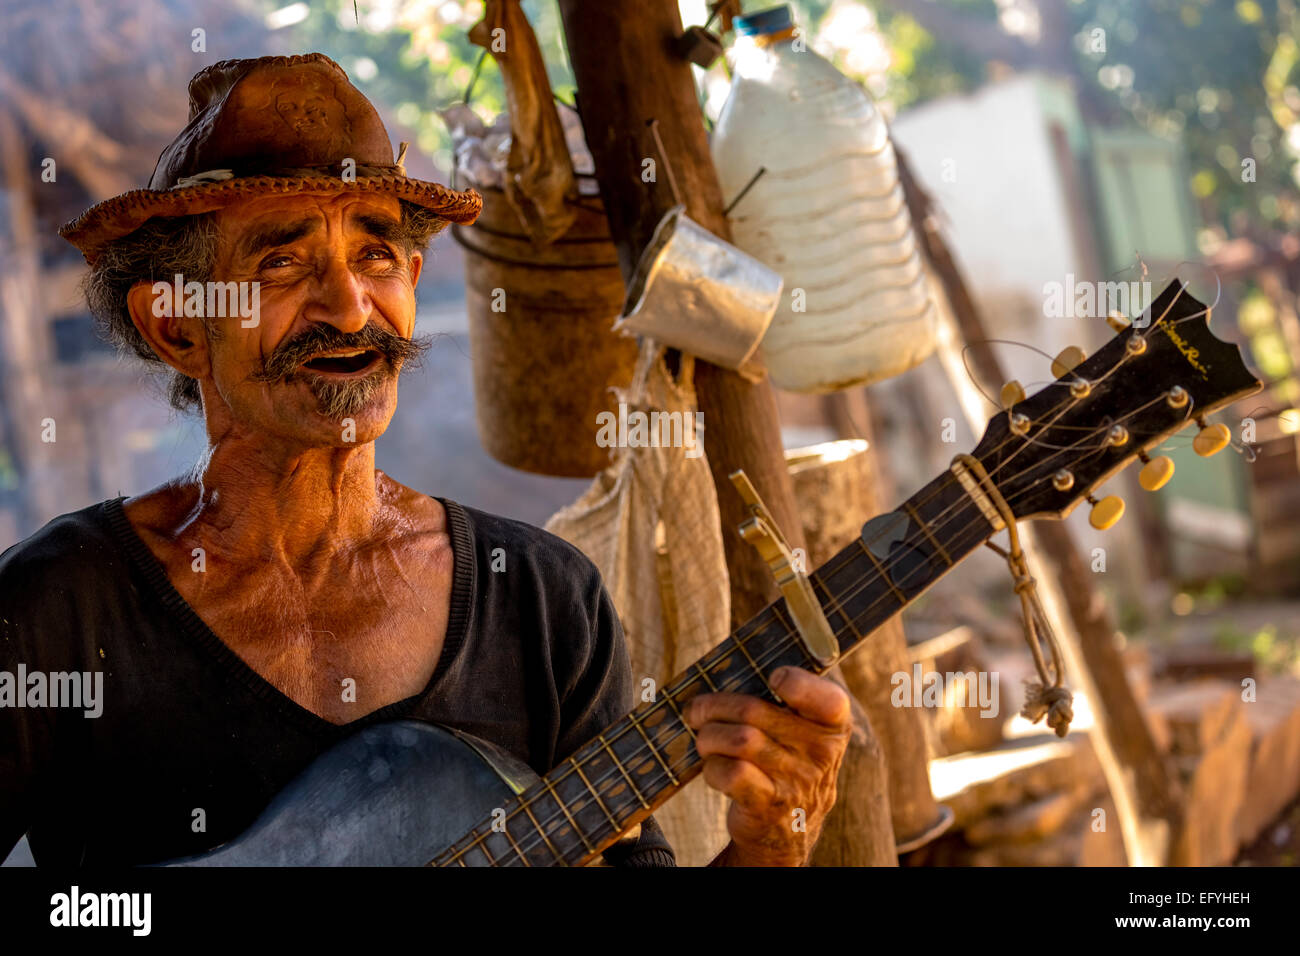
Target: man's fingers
column 814, row 698
column 734, row 709
column 745, row 784
column 743, row 742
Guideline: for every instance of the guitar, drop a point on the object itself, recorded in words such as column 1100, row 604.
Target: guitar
column 411, row 793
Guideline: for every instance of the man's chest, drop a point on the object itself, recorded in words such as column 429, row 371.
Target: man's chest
column 341, row 644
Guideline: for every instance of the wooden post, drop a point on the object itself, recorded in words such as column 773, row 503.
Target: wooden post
column 628, row 77
column 640, row 113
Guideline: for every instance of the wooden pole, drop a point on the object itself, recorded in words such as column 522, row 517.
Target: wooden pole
column 629, row 77
column 641, row 117
column 1124, row 740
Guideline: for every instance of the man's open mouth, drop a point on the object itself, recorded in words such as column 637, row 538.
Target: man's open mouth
column 344, row 362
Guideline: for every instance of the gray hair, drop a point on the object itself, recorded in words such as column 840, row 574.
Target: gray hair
column 186, row 245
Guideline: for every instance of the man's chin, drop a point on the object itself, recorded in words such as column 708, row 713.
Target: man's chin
column 359, row 408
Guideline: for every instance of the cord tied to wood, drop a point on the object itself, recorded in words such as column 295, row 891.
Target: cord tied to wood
column 1048, row 696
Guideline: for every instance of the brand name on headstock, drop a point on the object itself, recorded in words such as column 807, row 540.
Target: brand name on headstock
column 1191, row 354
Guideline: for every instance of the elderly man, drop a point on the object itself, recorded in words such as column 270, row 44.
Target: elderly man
column 285, row 593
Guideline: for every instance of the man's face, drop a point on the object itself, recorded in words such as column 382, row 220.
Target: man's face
column 336, row 317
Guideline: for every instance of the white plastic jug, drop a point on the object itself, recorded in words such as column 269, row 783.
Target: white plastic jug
column 828, row 213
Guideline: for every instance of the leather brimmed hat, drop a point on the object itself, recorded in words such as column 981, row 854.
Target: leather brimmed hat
column 275, row 125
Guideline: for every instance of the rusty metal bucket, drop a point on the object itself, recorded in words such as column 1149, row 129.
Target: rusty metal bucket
column 541, row 347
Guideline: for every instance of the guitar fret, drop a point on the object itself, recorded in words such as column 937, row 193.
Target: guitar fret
column 568, row 816
column 542, row 833
column 613, row 821
column 653, row 749
column 618, row 763
column 753, row 665
column 705, row 675
column 505, row 828
column 884, row 575
column 680, row 716
column 839, row 609
column 928, row 533
column 792, row 631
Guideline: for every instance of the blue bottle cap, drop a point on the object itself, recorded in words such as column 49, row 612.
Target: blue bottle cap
column 771, row 20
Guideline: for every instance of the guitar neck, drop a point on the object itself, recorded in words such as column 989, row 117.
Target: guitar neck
column 615, row 781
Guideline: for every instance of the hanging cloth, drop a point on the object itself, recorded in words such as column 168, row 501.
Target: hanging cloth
column 650, row 524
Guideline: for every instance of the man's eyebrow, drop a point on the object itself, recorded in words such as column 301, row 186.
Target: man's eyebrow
column 276, row 234
column 381, row 227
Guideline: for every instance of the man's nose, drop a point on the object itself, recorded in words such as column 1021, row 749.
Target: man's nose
column 340, row 297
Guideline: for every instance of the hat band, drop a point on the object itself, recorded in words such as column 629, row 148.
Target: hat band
column 321, row 170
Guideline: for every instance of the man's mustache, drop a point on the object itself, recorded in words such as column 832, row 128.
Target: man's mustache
column 289, row 356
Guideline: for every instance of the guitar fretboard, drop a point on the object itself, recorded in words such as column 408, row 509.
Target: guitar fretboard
column 613, row 782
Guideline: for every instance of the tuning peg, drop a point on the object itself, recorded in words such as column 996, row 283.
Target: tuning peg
column 1012, row 393
column 1118, row 321
column 1211, row 439
column 1068, row 359
column 1106, row 512
column 1155, row 474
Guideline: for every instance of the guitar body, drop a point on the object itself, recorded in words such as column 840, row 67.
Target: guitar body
column 395, row 794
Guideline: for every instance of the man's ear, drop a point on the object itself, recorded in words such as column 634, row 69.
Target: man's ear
column 417, row 266
column 175, row 338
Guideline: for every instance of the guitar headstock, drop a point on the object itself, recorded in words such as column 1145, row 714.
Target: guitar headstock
column 1048, row 452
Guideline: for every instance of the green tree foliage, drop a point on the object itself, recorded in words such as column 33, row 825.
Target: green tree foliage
column 413, row 57
column 1219, row 74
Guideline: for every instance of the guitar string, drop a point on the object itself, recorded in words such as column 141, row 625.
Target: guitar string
column 785, row 641
column 783, row 644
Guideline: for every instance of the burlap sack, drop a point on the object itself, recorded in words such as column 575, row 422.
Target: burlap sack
column 539, row 173
column 650, row 523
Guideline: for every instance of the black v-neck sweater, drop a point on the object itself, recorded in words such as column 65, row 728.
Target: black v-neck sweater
column 534, row 661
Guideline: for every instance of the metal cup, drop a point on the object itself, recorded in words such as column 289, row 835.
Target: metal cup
column 693, row 291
